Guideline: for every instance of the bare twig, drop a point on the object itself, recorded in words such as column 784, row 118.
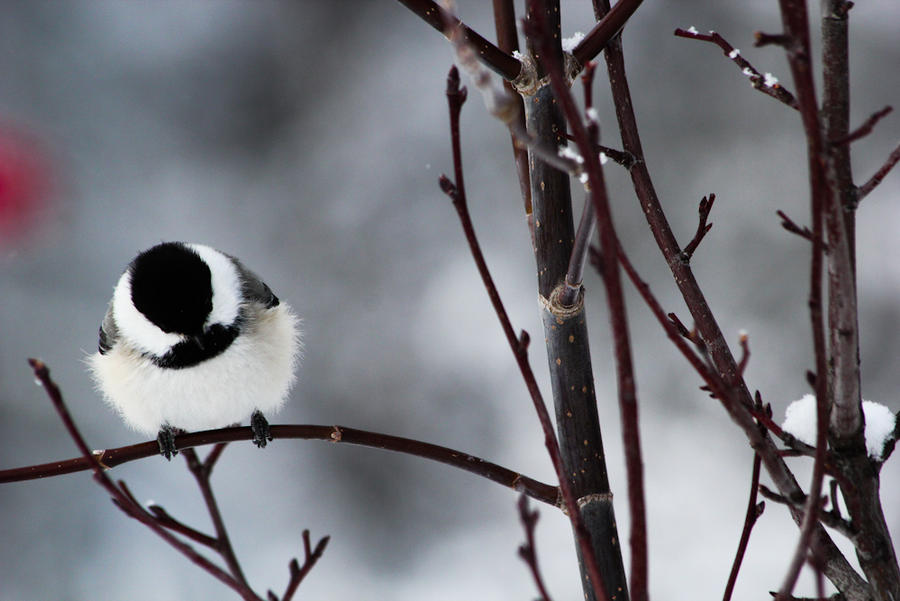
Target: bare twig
column 706, row 204
column 498, row 60
column 574, row 273
column 865, row 129
column 764, row 83
column 754, row 510
column 508, row 41
column 605, row 30
column 298, row 572
column 745, row 353
column 879, row 175
column 165, row 519
column 223, row 541
column 791, row 226
column 527, row 551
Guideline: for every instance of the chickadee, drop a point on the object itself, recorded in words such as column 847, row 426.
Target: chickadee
column 193, row 340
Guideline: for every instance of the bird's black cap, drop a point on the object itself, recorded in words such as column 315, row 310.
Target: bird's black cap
column 171, row 285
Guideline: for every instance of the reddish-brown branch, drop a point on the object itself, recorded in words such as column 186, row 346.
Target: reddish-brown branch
column 865, row 129
column 757, row 80
column 754, row 510
column 706, row 204
column 606, row 29
column 879, row 175
column 433, row 14
column 527, row 551
column 223, row 545
column 298, row 572
column 110, row 458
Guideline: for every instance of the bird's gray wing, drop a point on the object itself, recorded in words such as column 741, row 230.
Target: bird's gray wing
column 109, row 332
column 253, row 288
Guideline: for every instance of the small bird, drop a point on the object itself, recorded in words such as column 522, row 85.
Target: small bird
column 193, row 340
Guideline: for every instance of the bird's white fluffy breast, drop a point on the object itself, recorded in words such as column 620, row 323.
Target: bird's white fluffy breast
column 255, row 372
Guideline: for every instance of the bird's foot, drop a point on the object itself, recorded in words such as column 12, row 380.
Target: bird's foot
column 260, row 427
column 166, row 440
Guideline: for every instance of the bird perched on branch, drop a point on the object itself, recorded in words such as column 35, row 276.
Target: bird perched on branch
column 193, row 340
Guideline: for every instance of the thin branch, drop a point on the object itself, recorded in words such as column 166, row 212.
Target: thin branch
column 298, row 572
column 604, row 31
column 575, row 271
column 527, row 551
column 110, row 458
column 457, row 193
column 223, row 541
column 764, row 83
column 865, row 129
column 124, row 501
column 754, row 510
column 706, row 204
column 508, row 41
column 165, row 519
column 791, row 226
column 879, row 175
column 432, row 13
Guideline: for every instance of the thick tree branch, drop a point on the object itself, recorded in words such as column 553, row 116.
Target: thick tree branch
column 626, row 385
column 518, row 344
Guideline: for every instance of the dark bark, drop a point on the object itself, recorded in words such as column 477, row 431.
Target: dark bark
column 565, row 330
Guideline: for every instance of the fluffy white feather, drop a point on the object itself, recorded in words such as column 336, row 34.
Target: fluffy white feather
column 254, row 373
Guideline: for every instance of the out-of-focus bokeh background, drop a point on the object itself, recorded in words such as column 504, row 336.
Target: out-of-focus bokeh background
column 307, row 139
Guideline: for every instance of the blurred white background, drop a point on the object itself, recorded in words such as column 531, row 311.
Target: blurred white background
column 307, row 139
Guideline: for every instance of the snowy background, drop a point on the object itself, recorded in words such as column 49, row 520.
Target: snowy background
column 307, row 139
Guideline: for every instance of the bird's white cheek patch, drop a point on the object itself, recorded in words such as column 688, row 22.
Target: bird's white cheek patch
column 226, row 285
column 134, row 326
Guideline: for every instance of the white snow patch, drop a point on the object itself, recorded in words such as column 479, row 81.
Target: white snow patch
column 800, row 422
column 692, row 29
column 568, row 44
column 592, row 115
column 880, row 423
column 747, row 71
column 734, row 53
column 603, row 158
column 567, row 152
column 583, row 178
column 770, row 80
column 518, row 55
